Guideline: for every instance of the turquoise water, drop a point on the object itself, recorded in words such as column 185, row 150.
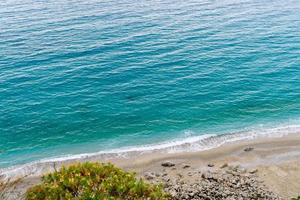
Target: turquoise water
column 85, row 76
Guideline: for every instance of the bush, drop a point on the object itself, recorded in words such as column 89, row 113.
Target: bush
column 94, row 181
column 297, row 198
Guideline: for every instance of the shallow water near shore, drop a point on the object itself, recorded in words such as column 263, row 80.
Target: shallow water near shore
column 88, row 76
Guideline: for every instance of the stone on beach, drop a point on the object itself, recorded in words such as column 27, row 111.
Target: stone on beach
column 149, row 176
column 186, row 166
column 224, row 165
column 167, row 164
column 248, row 149
column 253, row 171
column 210, row 165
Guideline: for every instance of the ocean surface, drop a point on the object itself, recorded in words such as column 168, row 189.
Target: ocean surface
column 86, row 76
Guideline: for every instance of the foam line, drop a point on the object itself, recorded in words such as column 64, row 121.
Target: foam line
column 189, row 144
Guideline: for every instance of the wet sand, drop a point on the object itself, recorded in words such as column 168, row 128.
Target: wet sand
column 277, row 161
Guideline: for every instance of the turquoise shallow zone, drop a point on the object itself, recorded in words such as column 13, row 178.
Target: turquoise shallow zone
column 81, row 76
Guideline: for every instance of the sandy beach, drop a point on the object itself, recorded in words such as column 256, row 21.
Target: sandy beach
column 277, row 161
column 274, row 161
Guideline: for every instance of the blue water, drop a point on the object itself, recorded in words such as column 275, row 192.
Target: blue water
column 80, row 76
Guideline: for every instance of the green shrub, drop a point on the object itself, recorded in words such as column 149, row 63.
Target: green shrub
column 297, row 198
column 94, row 181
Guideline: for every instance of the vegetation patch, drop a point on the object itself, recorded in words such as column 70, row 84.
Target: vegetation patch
column 94, row 181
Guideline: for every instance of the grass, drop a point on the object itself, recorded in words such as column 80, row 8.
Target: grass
column 89, row 181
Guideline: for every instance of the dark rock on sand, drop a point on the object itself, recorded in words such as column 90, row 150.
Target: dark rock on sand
column 167, row 164
column 186, row 166
column 210, row 165
column 249, row 149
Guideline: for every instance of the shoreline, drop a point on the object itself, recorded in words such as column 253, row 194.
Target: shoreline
column 277, row 160
column 189, row 144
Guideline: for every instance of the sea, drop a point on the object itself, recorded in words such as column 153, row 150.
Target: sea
column 86, row 77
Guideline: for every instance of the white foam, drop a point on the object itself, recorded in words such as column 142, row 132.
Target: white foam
column 187, row 144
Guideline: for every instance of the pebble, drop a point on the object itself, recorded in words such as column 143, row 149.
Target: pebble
column 149, row 176
column 224, row 165
column 167, row 164
column 186, row 166
column 253, row 171
column 210, row 165
column 248, row 149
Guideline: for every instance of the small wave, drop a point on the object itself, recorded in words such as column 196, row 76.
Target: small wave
column 188, row 144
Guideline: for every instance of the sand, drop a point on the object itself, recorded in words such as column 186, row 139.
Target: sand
column 277, row 161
